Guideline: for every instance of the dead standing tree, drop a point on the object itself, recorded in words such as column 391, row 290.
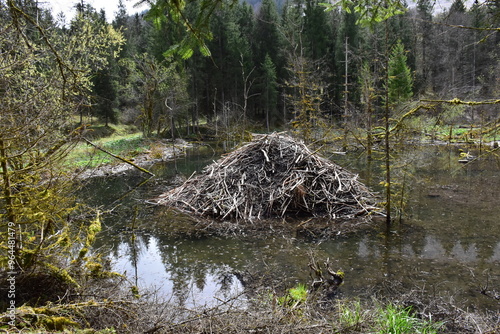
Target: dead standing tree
column 272, row 176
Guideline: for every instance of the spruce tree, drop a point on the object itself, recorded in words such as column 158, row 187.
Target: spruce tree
column 315, row 30
column 268, row 40
column 424, row 33
column 400, row 83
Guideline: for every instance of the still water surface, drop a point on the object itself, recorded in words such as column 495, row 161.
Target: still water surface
column 448, row 244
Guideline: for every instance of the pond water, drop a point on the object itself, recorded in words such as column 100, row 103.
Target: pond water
column 448, row 243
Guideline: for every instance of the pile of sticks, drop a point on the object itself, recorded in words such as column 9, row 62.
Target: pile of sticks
column 272, row 176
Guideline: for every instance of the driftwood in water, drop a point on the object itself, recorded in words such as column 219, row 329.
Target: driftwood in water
column 325, row 281
column 272, row 176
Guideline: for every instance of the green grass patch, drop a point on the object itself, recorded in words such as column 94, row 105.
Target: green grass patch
column 351, row 315
column 393, row 319
column 383, row 319
column 87, row 156
column 294, row 297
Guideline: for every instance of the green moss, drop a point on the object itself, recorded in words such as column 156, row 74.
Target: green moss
column 298, row 293
column 57, row 323
column 62, row 274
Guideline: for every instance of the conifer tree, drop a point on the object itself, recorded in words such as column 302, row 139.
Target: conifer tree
column 104, row 87
column 316, row 31
column 400, row 83
column 105, row 95
column 424, row 33
column 267, row 37
column 370, row 14
column 347, row 41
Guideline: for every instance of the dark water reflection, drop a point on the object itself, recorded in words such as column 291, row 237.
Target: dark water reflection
column 449, row 243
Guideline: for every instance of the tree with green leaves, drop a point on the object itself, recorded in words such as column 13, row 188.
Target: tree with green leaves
column 197, row 26
column 161, row 92
column 370, row 12
column 44, row 81
column 151, row 83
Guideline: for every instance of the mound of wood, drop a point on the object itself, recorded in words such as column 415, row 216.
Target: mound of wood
column 272, row 176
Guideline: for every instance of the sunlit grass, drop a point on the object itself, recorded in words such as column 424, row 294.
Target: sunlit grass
column 382, row 319
column 351, row 314
column 86, row 156
column 393, row 319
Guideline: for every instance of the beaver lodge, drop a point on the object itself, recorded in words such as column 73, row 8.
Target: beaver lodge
column 272, row 177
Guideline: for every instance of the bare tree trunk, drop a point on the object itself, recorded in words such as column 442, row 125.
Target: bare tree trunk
column 215, row 113
column 387, row 133
column 346, row 95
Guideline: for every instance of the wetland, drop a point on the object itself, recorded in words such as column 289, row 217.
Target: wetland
column 446, row 243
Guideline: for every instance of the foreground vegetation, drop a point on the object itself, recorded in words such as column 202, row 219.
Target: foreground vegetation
column 111, row 307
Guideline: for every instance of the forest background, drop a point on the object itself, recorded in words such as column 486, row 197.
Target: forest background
column 259, row 55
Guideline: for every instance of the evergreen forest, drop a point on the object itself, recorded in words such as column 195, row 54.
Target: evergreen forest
column 289, row 64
